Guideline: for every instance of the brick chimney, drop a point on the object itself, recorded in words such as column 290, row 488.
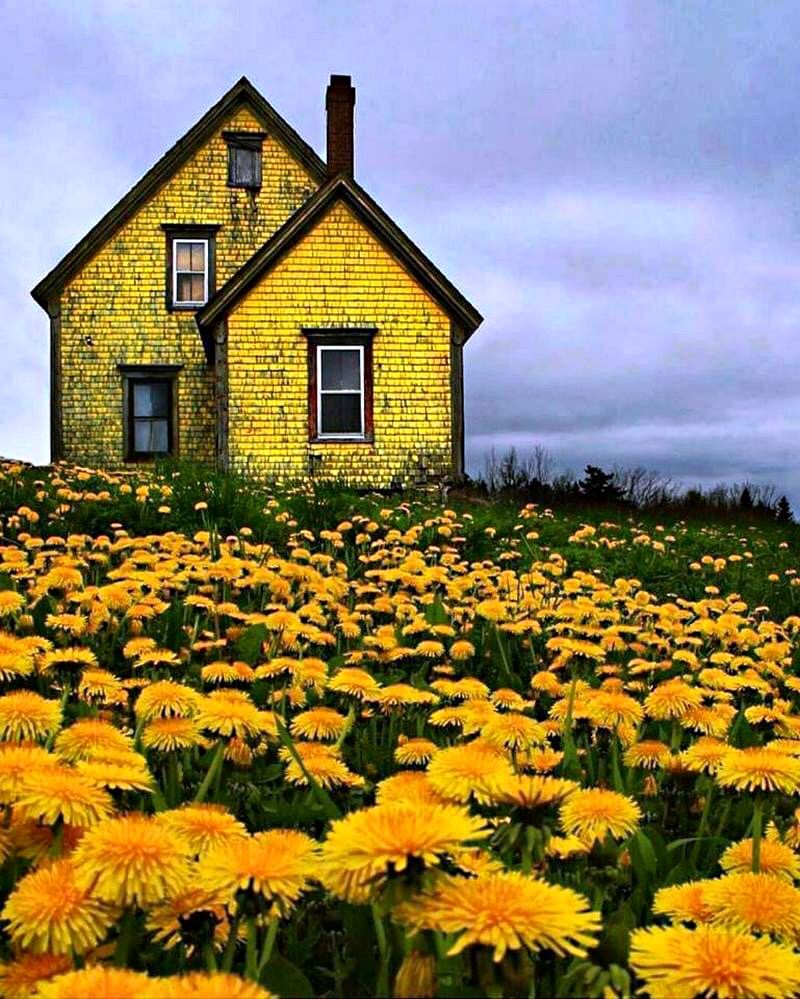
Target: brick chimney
column 340, row 100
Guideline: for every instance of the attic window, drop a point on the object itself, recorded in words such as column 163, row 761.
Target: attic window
column 244, row 159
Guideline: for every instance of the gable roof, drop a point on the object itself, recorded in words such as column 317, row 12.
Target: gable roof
column 242, row 92
column 340, row 188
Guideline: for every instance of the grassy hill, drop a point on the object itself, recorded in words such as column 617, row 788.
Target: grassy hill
column 333, row 744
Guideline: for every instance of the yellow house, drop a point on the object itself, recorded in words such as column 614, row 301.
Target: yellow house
column 248, row 304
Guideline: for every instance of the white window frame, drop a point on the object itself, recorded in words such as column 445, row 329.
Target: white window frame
column 320, row 391
column 176, row 302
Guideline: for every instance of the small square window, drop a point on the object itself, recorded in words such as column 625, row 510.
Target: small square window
column 244, row 159
column 190, row 272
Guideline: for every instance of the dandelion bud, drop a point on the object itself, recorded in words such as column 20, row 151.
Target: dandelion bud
column 650, row 788
column 416, row 977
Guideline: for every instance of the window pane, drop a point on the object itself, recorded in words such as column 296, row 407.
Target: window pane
column 341, row 414
column 197, row 289
column 244, row 164
column 184, row 288
column 150, row 399
column 341, row 369
column 151, row 436
column 198, row 256
column 183, row 256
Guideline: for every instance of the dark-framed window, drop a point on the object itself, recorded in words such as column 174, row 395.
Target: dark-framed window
column 190, row 265
column 150, row 410
column 244, row 158
column 340, row 385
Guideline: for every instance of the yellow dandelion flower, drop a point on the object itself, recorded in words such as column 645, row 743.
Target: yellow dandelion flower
column 225, row 672
column 16, row 655
column 49, row 795
column 492, row 610
column 513, row 731
column 19, row 979
column 686, row 902
column 134, row 859
column 541, row 760
column 128, row 776
column 11, row 602
column 277, row 864
column 88, row 735
column 672, row 699
column 355, row 682
column 506, row 911
column 462, row 649
column 462, row 772
column 409, row 786
column 98, row 981
column 16, row 763
column 168, row 735
column 204, row 827
column 705, row 755
column 531, row 790
column 48, row 912
column 318, row 723
column 758, row 768
column 647, row 753
column 775, row 858
column 365, row 846
column 166, row 698
column 205, row 985
column 415, row 751
column 756, row 903
column 712, row 961
column 594, row 813
column 26, row 716
column 229, row 712
column 565, row 847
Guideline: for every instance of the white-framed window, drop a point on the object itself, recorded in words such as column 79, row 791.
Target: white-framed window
column 189, row 271
column 340, row 391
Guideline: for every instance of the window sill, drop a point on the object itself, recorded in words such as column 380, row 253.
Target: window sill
column 140, row 458
column 342, row 440
column 187, row 307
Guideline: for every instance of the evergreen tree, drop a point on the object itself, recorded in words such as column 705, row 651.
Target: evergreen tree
column 746, row 499
column 599, row 486
column 783, row 511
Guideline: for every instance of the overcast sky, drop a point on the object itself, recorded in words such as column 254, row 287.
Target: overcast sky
column 616, row 186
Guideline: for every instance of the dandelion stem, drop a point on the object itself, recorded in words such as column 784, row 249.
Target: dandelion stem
column 758, row 807
column 211, row 773
column 382, row 987
column 230, row 946
column 125, row 938
column 251, row 966
column 269, row 943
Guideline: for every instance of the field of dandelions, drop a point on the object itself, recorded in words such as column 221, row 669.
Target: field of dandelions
column 306, row 743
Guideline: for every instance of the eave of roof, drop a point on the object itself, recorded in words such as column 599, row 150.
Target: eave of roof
column 304, row 219
column 240, row 93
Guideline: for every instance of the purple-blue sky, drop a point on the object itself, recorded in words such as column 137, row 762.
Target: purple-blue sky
column 615, row 185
